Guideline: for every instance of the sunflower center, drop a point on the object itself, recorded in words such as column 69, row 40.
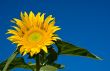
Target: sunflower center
column 35, row 36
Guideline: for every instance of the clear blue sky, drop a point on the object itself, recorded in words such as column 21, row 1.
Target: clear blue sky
column 85, row 23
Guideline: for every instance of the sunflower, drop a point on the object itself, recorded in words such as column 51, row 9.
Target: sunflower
column 33, row 32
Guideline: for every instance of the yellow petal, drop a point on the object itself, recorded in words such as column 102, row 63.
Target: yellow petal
column 51, row 24
column 31, row 17
column 42, row 18
column 16, row 28
column 47, row 21
column 53, row 29
column 18, row 22
column 22, row 17
column 14, row 38
column 21, row 49
column 18, row 31
column 26, row 20
column 12, row 32
column 24, row 53
column 25, row 14
column 37, row 50
column 31, row 53
column 45, row 49
column 38, row 19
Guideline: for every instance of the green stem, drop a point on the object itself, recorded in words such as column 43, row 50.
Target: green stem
column 38, row 63
column 10, row 59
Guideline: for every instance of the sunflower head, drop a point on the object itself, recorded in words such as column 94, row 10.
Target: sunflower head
column 33, row 32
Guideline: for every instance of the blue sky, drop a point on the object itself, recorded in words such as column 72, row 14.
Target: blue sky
column 85, row 23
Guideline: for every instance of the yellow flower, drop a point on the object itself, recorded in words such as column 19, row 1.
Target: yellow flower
column 33, row 32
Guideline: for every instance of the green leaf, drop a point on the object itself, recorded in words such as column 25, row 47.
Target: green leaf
column 70, row 49
column 52, row 56
column 59, row 66
column 17, row 63
column 10, row 59
column 48, row 68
